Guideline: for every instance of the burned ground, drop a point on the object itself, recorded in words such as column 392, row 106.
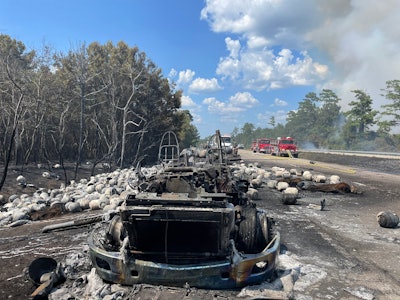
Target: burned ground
column 343, row 252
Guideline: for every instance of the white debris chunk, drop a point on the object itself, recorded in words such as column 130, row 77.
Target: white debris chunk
column 94, row 285
column 272, row 184
column 361, row 292
column 21, row 180
column 307, row 175
column 309, row 275
column 334, row 179
column 61, row 294
column 319, row 178
column 282, row 186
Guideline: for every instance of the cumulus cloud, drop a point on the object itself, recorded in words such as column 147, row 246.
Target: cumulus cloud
column 185, row 77
column 187, row 102
column 342, row 44
column 233, row 47
column 244, row 100
column 237, row 103
column 194, row 108
column 260, row 69
column 203, row 85
column 274, row 21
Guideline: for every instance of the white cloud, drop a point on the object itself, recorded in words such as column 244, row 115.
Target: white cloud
column 276, row 21
column 186, row 101
column 233, row 46
column 185, row 77
column 260, row 69
column 297, row 71
column 280, row 102
column 193, row 107
column 256, row 42
column 203, row 85
column 172, row 73
column 229, row 67
column 221, row 108
column 342, row 44
column 245, row 100
column 236, row 104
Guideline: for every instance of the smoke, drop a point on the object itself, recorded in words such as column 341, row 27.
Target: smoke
column 357, row 39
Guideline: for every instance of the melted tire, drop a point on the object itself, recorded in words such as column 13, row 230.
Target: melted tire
column 251, row 238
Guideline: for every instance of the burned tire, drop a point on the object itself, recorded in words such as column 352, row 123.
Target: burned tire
column 266, row 225
column 250, row 237
column 115, row 234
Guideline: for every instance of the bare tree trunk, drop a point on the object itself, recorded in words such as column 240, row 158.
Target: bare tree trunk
column 81, row 130
column 125, row 122
column 17, row 116
column 7, row 159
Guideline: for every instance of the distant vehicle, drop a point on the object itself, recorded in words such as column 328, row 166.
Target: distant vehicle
column 262, row 145
column 240, row 146
column 284, row 147
column 226, row 145
column 226, row 142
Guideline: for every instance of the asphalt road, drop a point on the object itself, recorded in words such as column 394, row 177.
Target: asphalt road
column 354, row 256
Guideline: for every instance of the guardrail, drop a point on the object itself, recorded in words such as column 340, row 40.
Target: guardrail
column 361, row 153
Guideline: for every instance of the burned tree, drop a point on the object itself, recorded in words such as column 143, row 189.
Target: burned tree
column 14, row 70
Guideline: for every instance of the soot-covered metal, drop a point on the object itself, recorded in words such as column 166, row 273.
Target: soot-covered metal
column 191, row 225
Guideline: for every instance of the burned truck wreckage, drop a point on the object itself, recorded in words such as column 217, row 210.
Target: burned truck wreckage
column 189, row 225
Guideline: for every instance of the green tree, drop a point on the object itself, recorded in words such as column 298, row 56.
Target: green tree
column 349, row 134
column 316, row 120
column 247, row 133
column 391, row 110
column 272, row 121
column 328, row 125
column 188, row 134
column 361, row 114
column 301, row 123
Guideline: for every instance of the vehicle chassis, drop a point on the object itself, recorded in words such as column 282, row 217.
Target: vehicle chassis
column 188, row 226
column 235, row 269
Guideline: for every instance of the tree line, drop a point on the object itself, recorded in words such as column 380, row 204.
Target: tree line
column 104, row 103
column 319, row 122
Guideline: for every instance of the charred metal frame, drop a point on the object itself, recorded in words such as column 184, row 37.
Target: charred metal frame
column 188, row 226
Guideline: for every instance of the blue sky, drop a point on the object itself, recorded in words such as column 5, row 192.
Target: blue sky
column 236, row 61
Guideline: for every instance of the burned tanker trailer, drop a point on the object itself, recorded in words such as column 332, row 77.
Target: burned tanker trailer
column 188, row 226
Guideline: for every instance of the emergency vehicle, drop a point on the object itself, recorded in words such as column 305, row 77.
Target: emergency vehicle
column 284, row 147
column 262, row 145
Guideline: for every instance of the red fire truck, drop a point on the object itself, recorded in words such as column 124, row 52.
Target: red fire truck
column 262, row 145
column 284, row 147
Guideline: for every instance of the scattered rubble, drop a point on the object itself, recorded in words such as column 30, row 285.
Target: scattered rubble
column 106, row 192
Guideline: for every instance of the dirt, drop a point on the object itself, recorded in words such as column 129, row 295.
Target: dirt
column 343, row 243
